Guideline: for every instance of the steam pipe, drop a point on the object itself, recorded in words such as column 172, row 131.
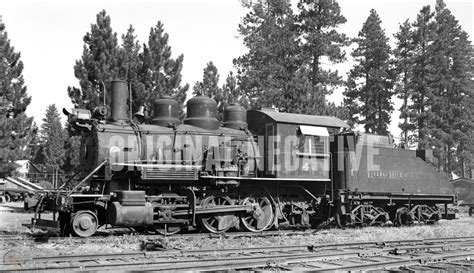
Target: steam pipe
column 103, row 89
column 130, row 89
column 105, row 106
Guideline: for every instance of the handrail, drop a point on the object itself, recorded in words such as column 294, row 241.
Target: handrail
column 69, row 180
column 87, row 177
column 28, row 183
column 21, row 184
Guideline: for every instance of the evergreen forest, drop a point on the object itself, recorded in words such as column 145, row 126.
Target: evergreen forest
column 289, row 64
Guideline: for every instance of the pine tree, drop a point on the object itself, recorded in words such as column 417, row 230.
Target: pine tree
column 403, row 54
column 370, row 82
column 283, row 67
column 99, row 64
column 417, row 111
column 466, row 154
column 150, row 69
column 449, row 120
column 72, row 153
column 317, row 25
column 130, row 66
column 35, row 144
column 160, row 73
column 209, row 86
column 232, row 92
column 267, row 69
column 15, row 125
column 434, row 52
column 52, row 139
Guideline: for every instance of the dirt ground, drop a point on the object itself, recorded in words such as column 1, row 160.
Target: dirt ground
column 12, row 216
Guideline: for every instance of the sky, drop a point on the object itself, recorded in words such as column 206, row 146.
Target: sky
column 49, row 34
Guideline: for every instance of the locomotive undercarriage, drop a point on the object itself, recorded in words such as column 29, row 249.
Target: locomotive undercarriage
column 219, row 206
column 369, row 209
column 171, row 208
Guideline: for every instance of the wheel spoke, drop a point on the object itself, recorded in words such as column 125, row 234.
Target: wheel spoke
column 217, row 223
column 261, row 216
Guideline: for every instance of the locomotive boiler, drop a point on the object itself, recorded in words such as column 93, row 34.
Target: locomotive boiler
column 259, row 169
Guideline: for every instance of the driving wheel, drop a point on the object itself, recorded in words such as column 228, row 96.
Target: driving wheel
column 261, row 215
column 220, row 222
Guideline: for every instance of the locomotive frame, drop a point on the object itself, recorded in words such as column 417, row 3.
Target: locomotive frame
column 260, row 170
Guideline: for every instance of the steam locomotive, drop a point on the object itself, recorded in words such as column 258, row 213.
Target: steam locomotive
column 259, row 169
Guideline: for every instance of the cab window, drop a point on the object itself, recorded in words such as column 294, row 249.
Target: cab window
column 312, row 141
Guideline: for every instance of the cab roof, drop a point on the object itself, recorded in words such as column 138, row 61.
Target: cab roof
column 300, row 119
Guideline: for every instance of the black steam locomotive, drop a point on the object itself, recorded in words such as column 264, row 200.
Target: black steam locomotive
column 258, row 170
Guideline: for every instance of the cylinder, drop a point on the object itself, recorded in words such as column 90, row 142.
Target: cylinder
column 119, row 99
column 202, row 113
column 119, row 215
column 165, row 112
column 235, row 117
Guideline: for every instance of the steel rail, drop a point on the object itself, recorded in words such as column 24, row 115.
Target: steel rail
column 151, row 238
column 249, row 262
column 237, row 234
column 40, row 239
column 101, row 237
column 215, row 259
column 401, row 262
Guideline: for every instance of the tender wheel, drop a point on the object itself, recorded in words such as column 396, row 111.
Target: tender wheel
column 217, row 223
column 376, row 216
column 84, row 223
column 168, row 229
column 7, row 198
column 261, row 216
column 432, row 215
column 402, row 217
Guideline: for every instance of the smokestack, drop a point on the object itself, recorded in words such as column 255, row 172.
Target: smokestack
column 119, row 98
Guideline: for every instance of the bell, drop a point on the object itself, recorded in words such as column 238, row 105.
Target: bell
column 140, row 112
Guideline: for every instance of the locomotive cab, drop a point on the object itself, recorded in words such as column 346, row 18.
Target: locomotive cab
column 294, row 146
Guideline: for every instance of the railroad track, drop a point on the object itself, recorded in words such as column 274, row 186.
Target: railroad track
column 104, row 236
column 432, row 254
